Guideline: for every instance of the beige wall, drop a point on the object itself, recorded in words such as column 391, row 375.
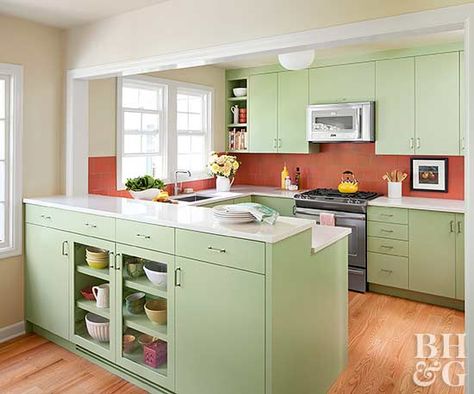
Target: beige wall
column 177, row 25
column 40, row 50
column 102, row 106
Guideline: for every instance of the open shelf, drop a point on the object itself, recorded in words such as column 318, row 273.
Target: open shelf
column 81, row 331
column 96, row 273
column 244, row 98
column 237, row 125
column 137, row 357
column 90, row 306
column 143, row 284
column 141, row 323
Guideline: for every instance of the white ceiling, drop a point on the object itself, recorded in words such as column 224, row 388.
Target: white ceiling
column 69, row 13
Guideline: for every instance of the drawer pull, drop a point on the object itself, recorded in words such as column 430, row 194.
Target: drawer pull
column 90, row 225
column 177, row 277
column 216, row 250
column 386, row 246
column 143, row 236
column 46, row 217
column 386, row 231
column 388, row 215
column 386, row 271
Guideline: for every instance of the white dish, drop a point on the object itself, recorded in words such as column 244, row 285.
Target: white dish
column 156, row 273
column 234, row 220
column 98, row 327
column 240, row 92
column 148, row 194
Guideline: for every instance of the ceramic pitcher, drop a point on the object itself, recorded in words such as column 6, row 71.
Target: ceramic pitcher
column 101, row 294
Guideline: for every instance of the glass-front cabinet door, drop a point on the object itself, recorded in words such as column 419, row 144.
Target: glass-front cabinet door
column 145, row 311
column 93, row 289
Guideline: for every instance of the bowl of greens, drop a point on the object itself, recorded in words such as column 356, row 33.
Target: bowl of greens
column 144, row 187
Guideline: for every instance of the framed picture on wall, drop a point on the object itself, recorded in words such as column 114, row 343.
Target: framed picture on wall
column 429, row 174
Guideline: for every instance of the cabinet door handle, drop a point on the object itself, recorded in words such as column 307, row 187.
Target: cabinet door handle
column 112, row 259
column 177, row 277
column 143, row 236
column 386, row 271
column 418, row 143
column 216, row 250
column 386, row 246
column 119, row 264
column 412, row 143
column 279, row 142
column 451, row 226
column 459, row 228
column 274, row 143
column 63, row 249
column 386, row 231
column 463, row 145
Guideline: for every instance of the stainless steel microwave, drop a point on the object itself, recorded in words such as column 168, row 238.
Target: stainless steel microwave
column 344, row 122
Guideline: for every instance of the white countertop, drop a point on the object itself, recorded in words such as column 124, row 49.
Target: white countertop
column 324, row 236
column 426, row 204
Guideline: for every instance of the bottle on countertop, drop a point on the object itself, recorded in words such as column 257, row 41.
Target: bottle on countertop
column 287, row 183
column 284, row 174
column 298, row 178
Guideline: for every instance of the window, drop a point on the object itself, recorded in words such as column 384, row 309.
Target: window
column 10, row 161
column 162, row 126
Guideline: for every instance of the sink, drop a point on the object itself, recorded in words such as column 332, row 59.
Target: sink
column 192, row 198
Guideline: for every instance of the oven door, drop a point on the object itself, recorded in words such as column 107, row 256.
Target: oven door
column 357, row 239
column 337, row 123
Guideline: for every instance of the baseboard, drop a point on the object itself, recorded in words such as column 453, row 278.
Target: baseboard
column 12, row 331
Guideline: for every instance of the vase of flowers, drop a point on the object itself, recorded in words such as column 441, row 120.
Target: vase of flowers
column 224, row 168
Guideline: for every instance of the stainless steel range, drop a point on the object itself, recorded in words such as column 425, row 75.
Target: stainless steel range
column 350, row 210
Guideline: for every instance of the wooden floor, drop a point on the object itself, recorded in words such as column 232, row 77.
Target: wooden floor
column 381, row 354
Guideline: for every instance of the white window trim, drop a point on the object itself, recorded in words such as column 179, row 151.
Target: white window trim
column 170, row 128
column 13, row 202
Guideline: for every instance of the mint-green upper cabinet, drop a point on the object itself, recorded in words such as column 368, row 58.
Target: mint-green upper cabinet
column 262, row 116
column 220, row 330
column 462, row 104
column 348, row 82
column 47, row 279
column 432, row 265
column 292, row 102
column 437, row 104
column 395, row 106
column 460, row 256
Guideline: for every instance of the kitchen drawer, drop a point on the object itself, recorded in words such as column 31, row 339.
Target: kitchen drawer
column 228, row 251
column 149, row 236
column 387, row 246
column 76, row 222
column 387, row 270
column 388, row 215
column 387, row 230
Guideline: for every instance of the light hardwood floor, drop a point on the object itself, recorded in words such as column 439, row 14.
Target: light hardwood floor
column 381, row 354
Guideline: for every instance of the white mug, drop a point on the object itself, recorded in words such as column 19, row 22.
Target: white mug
column 101, row 294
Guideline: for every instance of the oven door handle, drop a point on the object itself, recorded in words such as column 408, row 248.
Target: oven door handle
column 337, row 214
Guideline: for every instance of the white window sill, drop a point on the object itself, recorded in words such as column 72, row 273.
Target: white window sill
column 6, row 253
column 181, row 179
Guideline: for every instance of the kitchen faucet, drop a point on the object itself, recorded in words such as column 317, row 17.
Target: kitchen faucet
column 176, row 190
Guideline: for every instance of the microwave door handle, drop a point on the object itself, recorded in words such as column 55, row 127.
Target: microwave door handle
column 357, row 128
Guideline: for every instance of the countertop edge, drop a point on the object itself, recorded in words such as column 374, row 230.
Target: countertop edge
column 421, row 203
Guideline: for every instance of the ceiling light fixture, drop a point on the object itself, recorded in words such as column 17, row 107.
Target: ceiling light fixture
column 296, row 60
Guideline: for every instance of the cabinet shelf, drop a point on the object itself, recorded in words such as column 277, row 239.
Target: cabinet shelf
column 96, row 273
column 137, row 358
column 143, row 324
column 90, row 306
column 237, row 125
column 81, row 331
column 244, row 98
column 143, row 284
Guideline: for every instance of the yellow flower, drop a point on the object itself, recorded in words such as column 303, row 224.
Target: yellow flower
column 215, row 168
column 221, row 160
column 226, row 173
column 235, row 165
column 227, row 166
column 213, row 158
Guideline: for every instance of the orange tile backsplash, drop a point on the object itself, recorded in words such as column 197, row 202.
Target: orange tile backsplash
column 321, row 169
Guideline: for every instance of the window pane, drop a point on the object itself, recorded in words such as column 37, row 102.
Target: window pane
column 2, row 140
column 150, row 122
column 182, row 121
column 2, row 99
column 131, row 121
column 196, row 162
column 148, row 99
column 2, row 222
column 182, row 103
column 151, row 143
column 130, row 97
column 197, row 144
column 2, row 181
column 195, row 104
column 132, row 143
column 195, row 122
column 183, row 162
column 133, row 167
column 184, row 144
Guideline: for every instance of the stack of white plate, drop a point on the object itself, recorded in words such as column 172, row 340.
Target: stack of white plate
column 228, row 214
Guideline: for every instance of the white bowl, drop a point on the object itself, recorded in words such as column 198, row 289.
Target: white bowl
column 156, row 273
column 240, row 92
column 98, row 327
column 147, row 194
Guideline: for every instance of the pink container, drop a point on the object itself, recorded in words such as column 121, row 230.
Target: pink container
column 155, row 354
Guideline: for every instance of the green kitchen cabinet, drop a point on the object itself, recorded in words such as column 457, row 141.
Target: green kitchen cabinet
column 47, row 267
column 292, row 101
column 432, row 252
column 283, row 205
column 82, row 276
column 240, row 200
column 462, row 104
column 220, row 346
column 437, row 104
column 139, row 324
column 342, row 83
column 262, row 113
column 395, row 114
column 460, row 260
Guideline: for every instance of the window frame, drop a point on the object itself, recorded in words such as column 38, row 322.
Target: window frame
column 170, row 128
column 12, row 246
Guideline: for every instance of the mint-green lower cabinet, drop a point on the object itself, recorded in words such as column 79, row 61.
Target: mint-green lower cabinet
column 47, row 279
column 82, row 276
column 460, row 256
column 283, row 205
column 220, row 329
column 432, row 255
column 138, row 324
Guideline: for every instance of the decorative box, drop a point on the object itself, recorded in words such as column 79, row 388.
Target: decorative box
column 155, row 354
